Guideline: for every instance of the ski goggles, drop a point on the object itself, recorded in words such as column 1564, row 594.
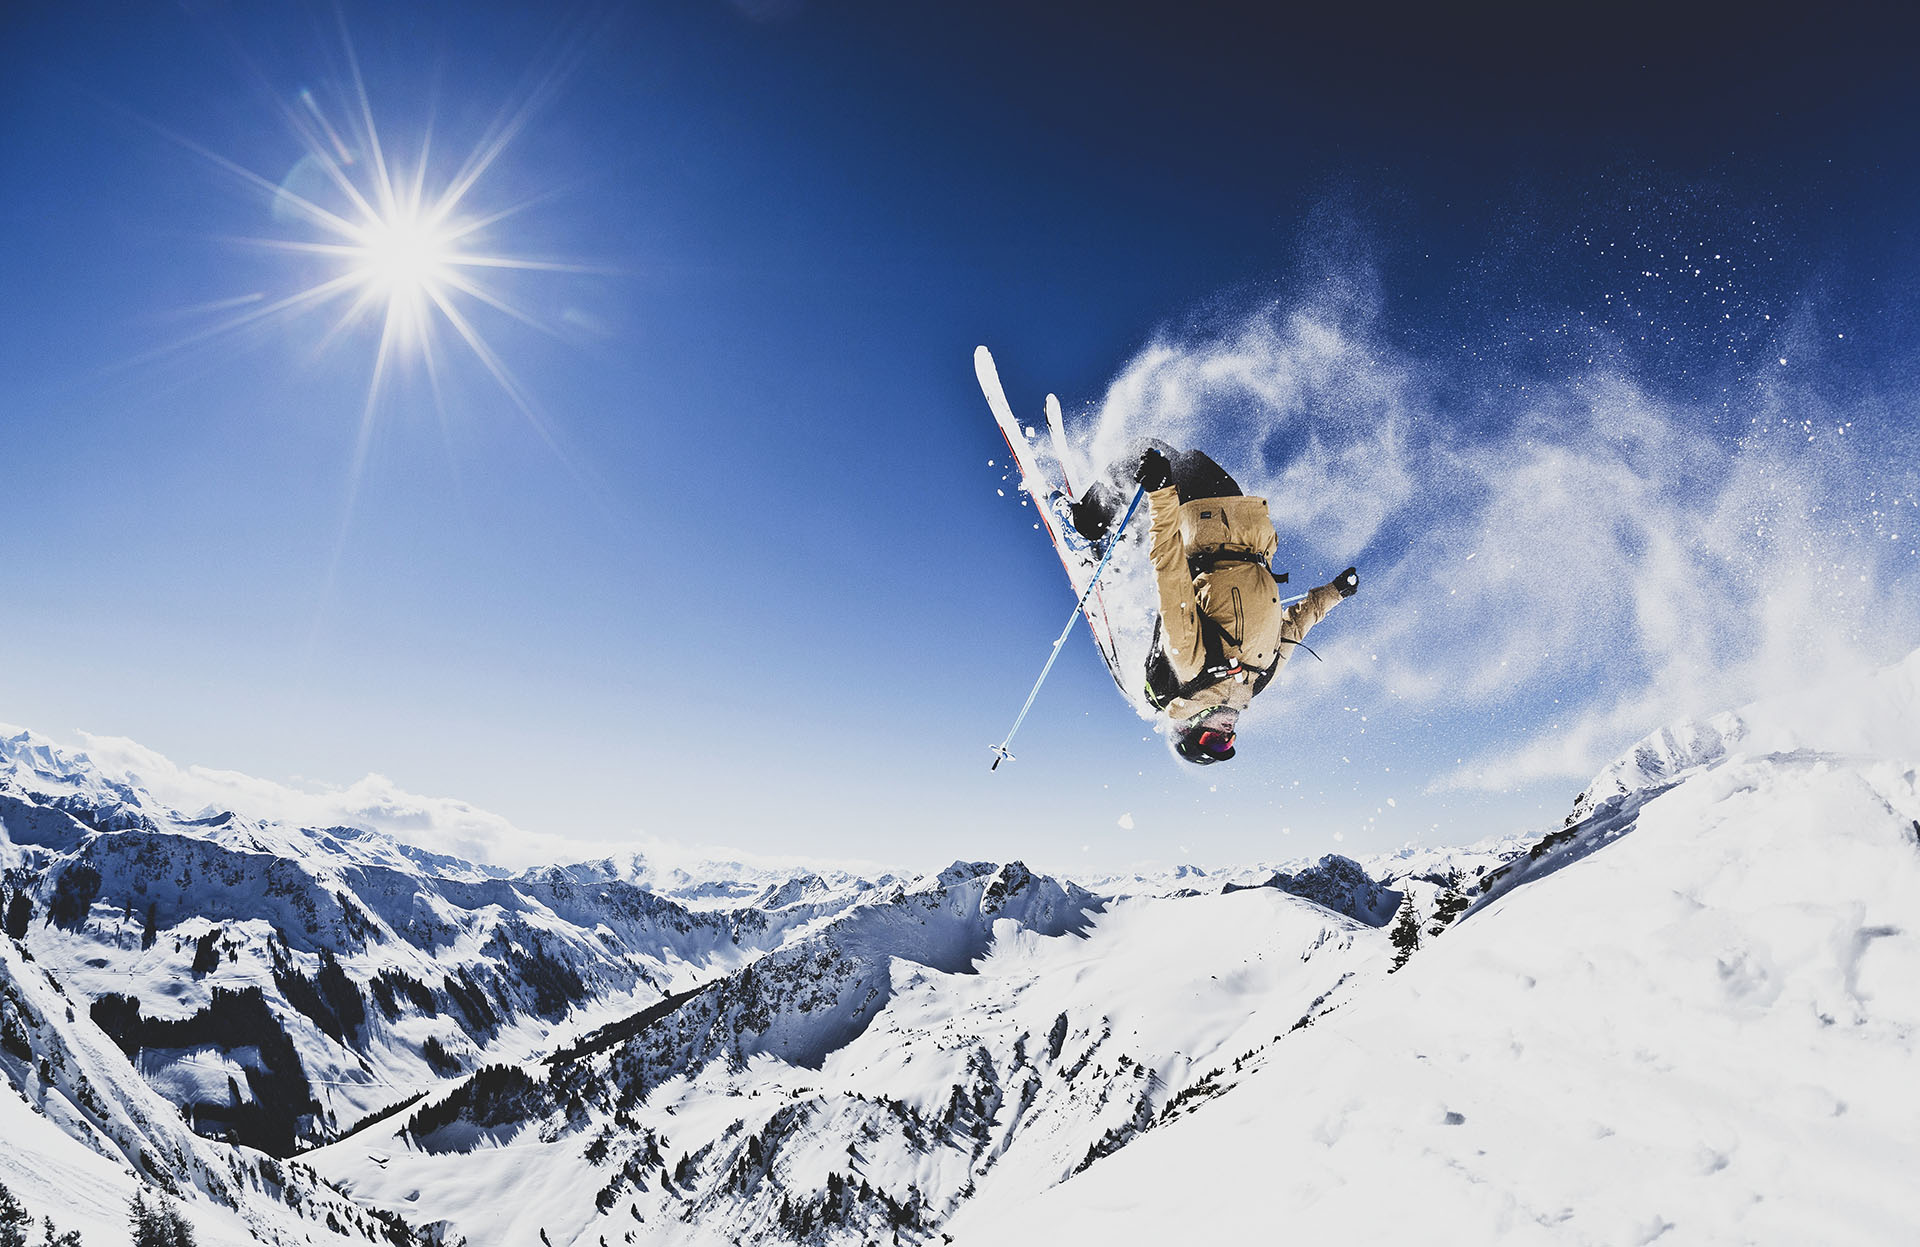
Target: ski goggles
column 1219, row 744
column 1208, row 745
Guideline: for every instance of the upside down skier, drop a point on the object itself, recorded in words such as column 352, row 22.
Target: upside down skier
column 1222, row 634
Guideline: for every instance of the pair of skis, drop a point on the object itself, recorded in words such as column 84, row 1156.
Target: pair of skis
column 1125, row 648
column 1039, row 485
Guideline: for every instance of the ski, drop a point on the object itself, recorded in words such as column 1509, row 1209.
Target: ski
column 1057, row 431
column 1037, row 484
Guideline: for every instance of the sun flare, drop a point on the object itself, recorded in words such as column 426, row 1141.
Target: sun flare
column 401, row 257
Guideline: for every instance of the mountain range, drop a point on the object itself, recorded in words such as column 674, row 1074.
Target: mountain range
column 1682, row 1014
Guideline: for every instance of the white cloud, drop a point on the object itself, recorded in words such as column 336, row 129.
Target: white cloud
column 438, row 824
column 374, row 802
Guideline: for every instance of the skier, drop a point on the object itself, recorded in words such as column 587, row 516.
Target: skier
column 1222, row 634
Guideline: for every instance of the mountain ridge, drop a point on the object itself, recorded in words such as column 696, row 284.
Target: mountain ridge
column 984, row 1050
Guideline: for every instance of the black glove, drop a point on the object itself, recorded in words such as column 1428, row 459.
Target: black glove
column 1154, row 471
column 1348, row 582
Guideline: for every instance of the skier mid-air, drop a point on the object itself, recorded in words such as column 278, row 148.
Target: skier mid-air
column 1216, row 631
column 1222, row 633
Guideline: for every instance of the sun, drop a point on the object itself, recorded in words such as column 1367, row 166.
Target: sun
column 395, row 249
column 405, row 260
column 404, row 257
column 407, row 257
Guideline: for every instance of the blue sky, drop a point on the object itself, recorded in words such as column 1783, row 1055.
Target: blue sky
column 1507, row 290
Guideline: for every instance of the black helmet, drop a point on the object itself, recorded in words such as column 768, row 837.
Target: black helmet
column 1207, row 737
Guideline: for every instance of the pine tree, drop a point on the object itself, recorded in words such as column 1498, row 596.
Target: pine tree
column 13, row 1220
column 52, row 1237
column 206, row 954
column 140, row 1216
column 1450, row 905
column 158, row 1224
column 1406, row 934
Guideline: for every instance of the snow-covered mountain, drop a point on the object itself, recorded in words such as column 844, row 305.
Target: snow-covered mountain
column 1685, row 1014
column 1689, row 1015
column 279, row 983
column 981, row 1034
column 84, row 1131
column 282, row 985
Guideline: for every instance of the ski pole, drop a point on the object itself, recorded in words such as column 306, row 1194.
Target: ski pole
column 1000, row 750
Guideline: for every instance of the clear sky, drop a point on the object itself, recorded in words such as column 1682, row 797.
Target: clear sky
column 1592, row 343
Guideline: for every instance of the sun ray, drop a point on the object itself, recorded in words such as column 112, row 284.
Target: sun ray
column 382, row 180
column 355, row 314
column 337, row 174
column 473, row 225
column 590, row 485
column 300, row 203
column 294, row 303
column 403, row 249
column 504, row 131
column 339, row 147
column 535, row 266
column 495, row 367
column 419, row 190
column 477, row 291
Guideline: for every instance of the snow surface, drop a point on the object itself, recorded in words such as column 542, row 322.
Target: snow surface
column 83, row 1132
column 1688, row 1014
column 1145, row 1003
column 1700, row 1029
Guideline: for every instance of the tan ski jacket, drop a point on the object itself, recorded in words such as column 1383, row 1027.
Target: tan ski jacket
column 1210, row 559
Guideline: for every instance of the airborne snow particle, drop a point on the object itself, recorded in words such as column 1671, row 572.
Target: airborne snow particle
column 1126, row 821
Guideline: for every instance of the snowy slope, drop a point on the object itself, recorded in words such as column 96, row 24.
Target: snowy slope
column 979, row 1035
column 83, row 1132
column 1690, row 1017
column 283, row 982
column 819, row 1056
column 1689, row 1014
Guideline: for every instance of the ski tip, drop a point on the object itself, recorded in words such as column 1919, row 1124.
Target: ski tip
column 983, row 369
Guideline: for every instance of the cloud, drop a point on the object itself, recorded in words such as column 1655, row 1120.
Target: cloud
column 438, row 824
column 374, row 802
